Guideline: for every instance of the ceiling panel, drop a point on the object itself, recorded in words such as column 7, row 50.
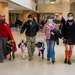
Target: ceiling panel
column 13, row 6
column 49, row 1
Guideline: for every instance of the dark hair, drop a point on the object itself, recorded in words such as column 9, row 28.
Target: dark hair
column 30, row 16
column 70, row 13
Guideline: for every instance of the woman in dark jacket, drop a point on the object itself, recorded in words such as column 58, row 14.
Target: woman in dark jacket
column 68, row 33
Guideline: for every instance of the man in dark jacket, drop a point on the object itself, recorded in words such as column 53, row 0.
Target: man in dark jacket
column 62, row 23
column 31, row 27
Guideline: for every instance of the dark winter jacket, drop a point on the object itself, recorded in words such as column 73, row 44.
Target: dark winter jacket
column 31, row 30
column 56, row 35
column 68, row 31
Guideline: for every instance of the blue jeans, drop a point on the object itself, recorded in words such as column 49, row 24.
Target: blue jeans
column 50, row 49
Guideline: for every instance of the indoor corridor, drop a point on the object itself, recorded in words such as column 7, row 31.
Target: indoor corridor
column 37, row 66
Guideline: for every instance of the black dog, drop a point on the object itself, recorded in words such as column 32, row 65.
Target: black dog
column 10, row 47
column 41, row 47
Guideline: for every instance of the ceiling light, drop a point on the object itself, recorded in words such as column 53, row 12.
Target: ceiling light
column 52, row 2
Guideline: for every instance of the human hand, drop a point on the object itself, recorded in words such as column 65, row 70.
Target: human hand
column 21, row 34
column 63, row 38
column 45, row 38
column 52, row 33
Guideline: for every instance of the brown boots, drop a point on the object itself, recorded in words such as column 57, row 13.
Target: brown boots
column 68, row 55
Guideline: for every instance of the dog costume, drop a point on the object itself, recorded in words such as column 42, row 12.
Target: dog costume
column 10, row 47
column 22, row 46
column 41, row 47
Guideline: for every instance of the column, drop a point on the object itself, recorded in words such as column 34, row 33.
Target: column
column 4, row 10
column 65, row 7
column 25, row 14
column 13, row 17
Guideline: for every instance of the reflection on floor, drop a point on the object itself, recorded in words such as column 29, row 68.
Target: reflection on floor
column 37, row 66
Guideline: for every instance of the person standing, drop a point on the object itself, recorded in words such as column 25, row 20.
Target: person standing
column 68, row 34
column 1, row 50
column 62, row 22
column 47, row 37
column 6, row 34
column 31, row 27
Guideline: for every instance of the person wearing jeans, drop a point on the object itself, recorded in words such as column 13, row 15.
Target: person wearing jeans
column 50, row 43
column 50, row 51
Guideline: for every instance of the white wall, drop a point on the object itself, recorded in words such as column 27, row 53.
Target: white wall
column 50, row 8
column 65, row 7
column 73, row 9
column 4, row 10
column 26, row 3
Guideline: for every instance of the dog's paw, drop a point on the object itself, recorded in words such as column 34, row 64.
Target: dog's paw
column 13, row 57
column 42, row 57
column 10, row 59
column 23, row 57
column 39, row 54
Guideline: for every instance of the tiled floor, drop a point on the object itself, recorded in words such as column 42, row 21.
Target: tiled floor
column 37, row 66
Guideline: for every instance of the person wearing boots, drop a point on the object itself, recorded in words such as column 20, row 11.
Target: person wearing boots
column 68, row 33
column 1, row 50
column 31, row 27
column 6, row 34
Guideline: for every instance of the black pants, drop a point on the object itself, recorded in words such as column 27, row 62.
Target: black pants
column 1, row 50
column 4, row 46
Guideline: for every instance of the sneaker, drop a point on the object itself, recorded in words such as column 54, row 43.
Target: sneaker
column 65, row 61
column 69, row 62
column 53, row 62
